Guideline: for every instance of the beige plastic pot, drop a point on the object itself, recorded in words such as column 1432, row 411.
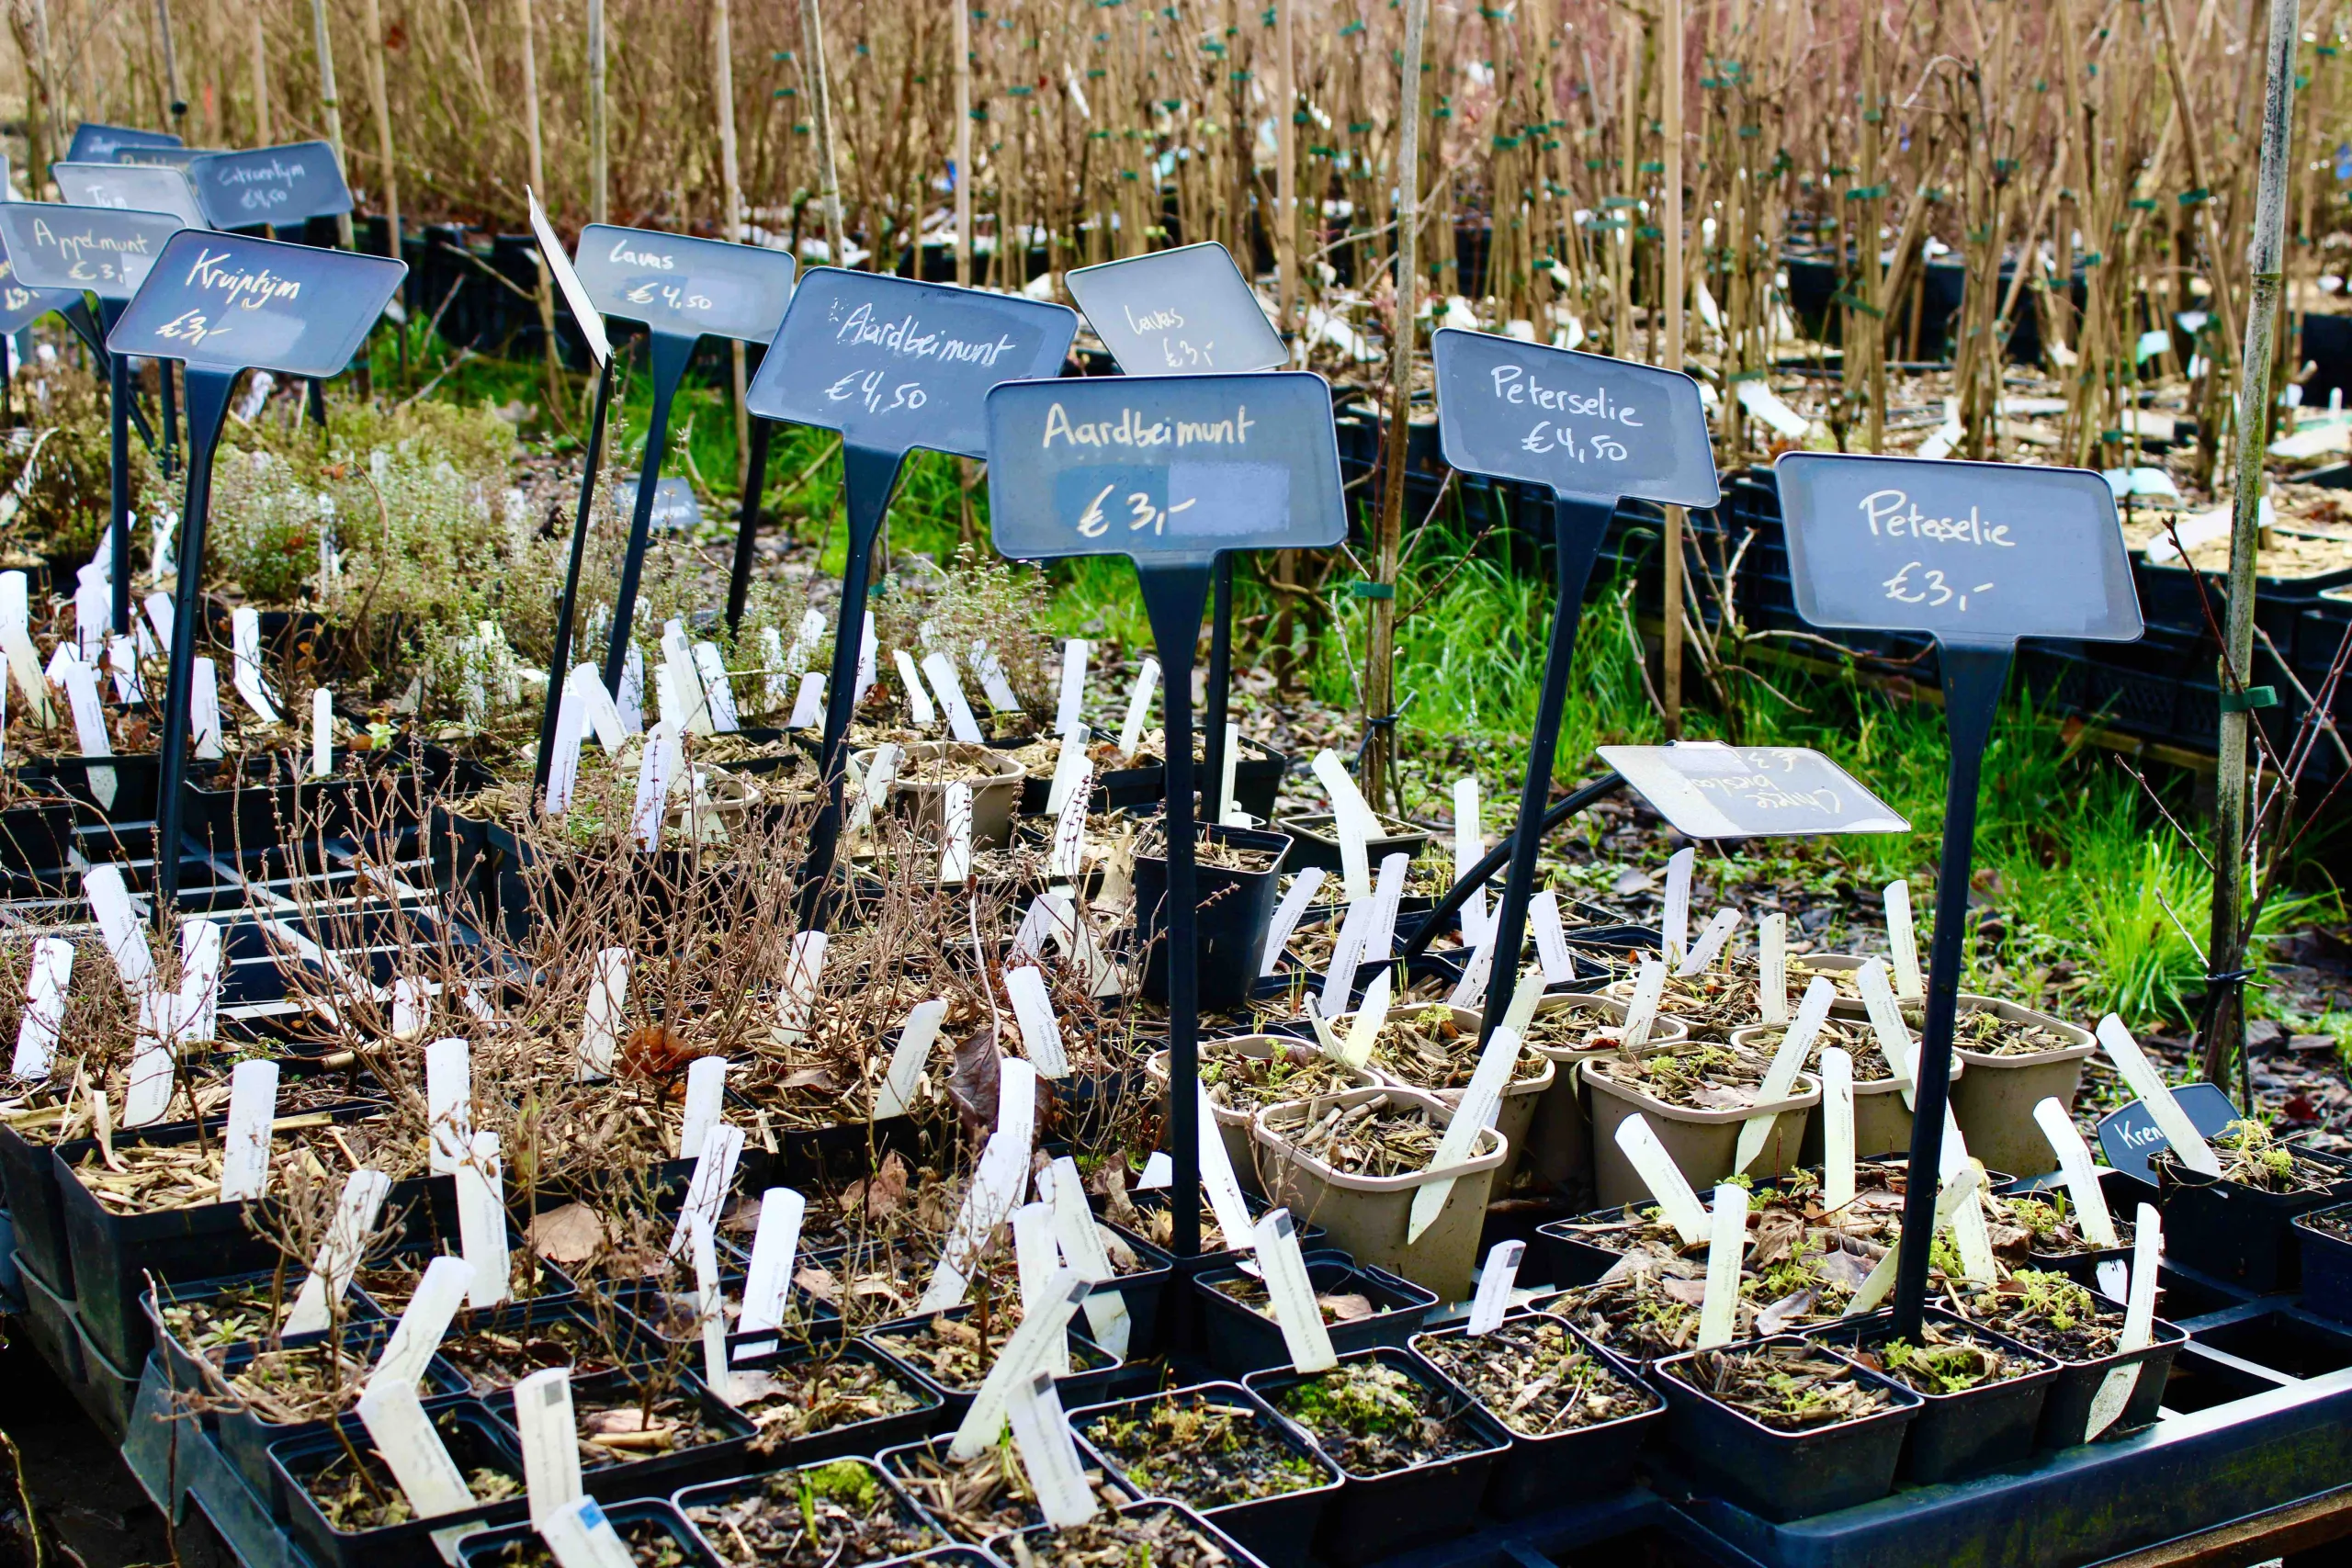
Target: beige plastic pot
column 1993, row 1097
column 1368, row 1215
column 1882, row 1119
column 996, row 791
column 1521, row 1097
column 1700, row 1142
column 1233, row 1126
column 1559, row 1138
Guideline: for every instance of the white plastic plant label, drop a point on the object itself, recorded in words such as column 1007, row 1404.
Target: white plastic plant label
column 1387, row 895
column 1081, row 1248
column 797, row 1003
column 244, row 1146
column 200, row 960
column 1471, row 989
column 1959, row 1193
column 1772, row 967
column 1836, row 1128
column 1481, row 1101
column 1217, row 1179
column 603, row 715
column 551, row 1440
column 874, row 790
column 1525, row 998
column 718, row 691
column 1726, row 1249
column 159, row 615
column 1370, row 1016
column 1551, row 938
column 1352, row 820
column 148, row 1094
column 941, row 671
column 563, row 762
column 410, row 1001
column 204, row 707
column 1676, row 926
column 2188, row 1144
column 2139, row 1323
column 1158, row 1171
column 997, row 1184
column 705, row 1092
column 1903, row 942
column 1469, row 848
column 1286, row 916
column 321, row 732
column 1886, row 1022
column 122, row 663
column 955, row 858
column 1069, row 702
column 245, row 635
column 418, row 1333
column 1710, row 942
column 1230, row 813
column 1676, row 1204
column 919, row 704
column 1495, row 1281
column 867, row 649
column 1016, row 1100
column 1072, row 774
column 769, row 1275
column 600, row 1025
column 710, row 1308
column 706, row 1189
column 24, row 659
column 580, row 1534
column 1347, row 952
column 448, row 1103
column 808, row 703
column 1641, row 1010
column 2082, row 1177
column 1041, row 1433
column 1020, row 1358
column 1037, row 1259
column 657, row 770
column 414, row 1452
column 806, row 637
column 1781, row 1076
column 775, row 680
column 1292, row 1294
column 482, row 1220
column 46, row 990
column 1032, row 1010
column 993, row 684
column 908, row 1057
column 1140, row 706
column 339, row 1253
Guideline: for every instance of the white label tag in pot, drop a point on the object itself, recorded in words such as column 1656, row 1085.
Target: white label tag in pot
column 940, row 671
column 1959, row 1192
column 1292, row 1294
column 707, row 1189
column 44, row 1017
column 603, row 715
column 2082, row 1177
column 1470, row 991
column 204, row 708
column 2116, row 1388
column 1678, row 1205
column 1550, row 939
column 1019, row 1360
column 918, row 700
column 1037, row 1260
column 480, row 1180
column 1139, row 708
column 1903, row 942
column 955, row 859
column 1469, row 848
column 775, row 680
column 1032, row 1010
column 1159, row 1170
column 717, row 690
column 1029, row 937
column 1495, row 1281
column 1016, row 1101
column 563, row 762
column 874, row 790
column 1286, row 916
column 1231, row 814
column 657, row 771
column 321, row 732
column 867, row 649
column 710, row 1308
column 418, row 1333
column 1351, row 821
column 805, row 639
column 148, row 1094
column 908, row 1058
column 160, row 611
column 1836, row 1128
column 1347, row 952
column 997, row 1184
column 119, row 924
column 808, row 704
column 244, row 1147
column 413, row 1452
column 797, row 1002
column 410, row 1003
column 1886, row 1022
column 1772, row 967
column 600, row 1027
column 768, row 1279
column 1217, row 1179
column 1726, row 1249
column 1041, row 1433
column 448, row 1103
column 122, row 662
column 706, row 1093
column 1070, row 704
column 993, row 684
column 1676, row 926
column 1073, row 775
column 550, row 1440
column 1781, row 1076
column 244, row 637
column 1710, row 942
column 2188, row 1144
column 1081, row 1248
column 1387, row 893
column 200, row 959
column 338, row 1256
column 1481, row 1102
column 1641, row 1012
column 1363, row 1029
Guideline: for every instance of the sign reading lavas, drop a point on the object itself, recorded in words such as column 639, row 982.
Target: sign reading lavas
column 105, row 250
column 1708, row 790
column 96, row 143
column 683, row 286
column 1186, row 311
column 142, row 188
column 270, row 185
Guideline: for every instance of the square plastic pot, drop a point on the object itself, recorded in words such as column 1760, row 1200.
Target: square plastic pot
column 474, row 1440
column 1038, row 1541
column 1240, row 1339
column 1702, row 1143
column 245, row 1437
column 50, row 1323
column 187, row 1367
column 1233, row 910
column 2066, row 1416
column 1279, row 1529
column 1369, row 1215
column 1088, row 1379
column 1319, row 840
column 2327, row 1266
column 716, row 1495
column 1784, row 1475
column 1990, row 1427
column 995, row 797
column 105, row 1391
column 1993, row 1101
column 648, row 1518
column 2240, row 1234
column 867, row 1437
column 655, row 1475
column 36, row 1207
column 1233, row 1126
column 900, row 1462
column 1521, row 1096
column 1559, row 1136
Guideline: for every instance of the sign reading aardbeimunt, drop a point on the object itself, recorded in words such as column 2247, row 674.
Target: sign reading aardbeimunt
column 682, row 285
column 895, row 364
column 260, row 185
column 1175, row 466
column 228, row 303
column 105, row 250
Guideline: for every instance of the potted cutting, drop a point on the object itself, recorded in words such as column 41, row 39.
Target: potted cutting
column 1696, row 1097
column 1982, row 1392
column 1234, row 871
column 1435, row 1048
column 1246, row 1073
column 343, row 1506
column 1362, row 1306
column 1785, row 1427
column 2237, row 1225
column 926, row 767
column 839, row 1514
column 2083, row 1331
column 979, row 1499
column 1217, row 1448
column 1569, row 1026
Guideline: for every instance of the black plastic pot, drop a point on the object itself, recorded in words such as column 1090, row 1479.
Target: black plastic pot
column 388, row 797
column 1279, row 1529
column 1960, row 1435
column 50, row 1323
column 1317, row 836
column 1088, row 1379
column 474, row 1440
column 1241, row 1340
column 1377, row 1516
column 246, row 1438
column 899, row 1462
column 2239, row 1234
column 655, row 1475
column 719, row 1494
column 105, row 1391
column 2068, row 1409
column 135, row 778
column 35, row 843
column 1784, row 1475
column 185, row 1365
column 1565, row 1467
column 36, row 1209
column 870, row 1436
column 1039, row 1541
column 1234, row 911
column 648, row 1519
column 521, row 1319
column 1568, row 1254
column 2327, row 1266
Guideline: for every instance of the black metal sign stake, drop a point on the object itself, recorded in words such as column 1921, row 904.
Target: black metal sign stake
column 747, row 524
column 1175, row 473
column 1976, row 555
column 671, row 353
column 223, row 304
column 1592, row 431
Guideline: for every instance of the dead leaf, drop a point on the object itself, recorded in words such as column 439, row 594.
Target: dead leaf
column 1777, row 1232
column 881, row 1196
column 1346, row 1307
column 809, row 1077
column 655, row 1051
column 607, row 1423
column 820, row 1283
column 973, row 1084
column 572, row 1234
column 1782, row 1312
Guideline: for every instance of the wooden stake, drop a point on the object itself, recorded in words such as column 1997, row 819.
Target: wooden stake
column 330, row 107
column 1287, row 162
column 1671, row 653
column 381, row 101
column 599, row 167
column 177, row 98
column 964, row 144
column 812, row 41
column 730, row 174
column 261, row 134
column 536, row 153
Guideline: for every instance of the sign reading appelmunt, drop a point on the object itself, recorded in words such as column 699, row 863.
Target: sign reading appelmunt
column 1708, row 790
column 106, row 249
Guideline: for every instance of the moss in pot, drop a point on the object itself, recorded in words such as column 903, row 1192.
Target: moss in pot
column 1373, row 1418
column 1203, row 1451
column 836, row 1515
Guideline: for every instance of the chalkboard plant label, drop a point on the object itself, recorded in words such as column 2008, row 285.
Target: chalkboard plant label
column 142, row 188
column 677, row 510
column 22, row 305
column 1177, row 312
column 165, row 157
column 106, row 251
column 94, row 143
column 1708, row 790
column 229, row 302
column 894, row 364
column 292, row 183
column 685, row 285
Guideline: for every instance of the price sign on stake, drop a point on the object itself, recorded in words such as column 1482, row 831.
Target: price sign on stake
column 106, row 251
column 137, row 188
column 96, row 142
column 1708, row 790
column 1174, row 312
column 1172, row 472
column 1292, row 1294
column 1976, row 556
column 273, row 187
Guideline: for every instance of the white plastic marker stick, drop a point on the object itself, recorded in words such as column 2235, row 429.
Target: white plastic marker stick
column 1469, row 848
column 244, row 637
column 1481, row 1101
column 769, row 1277
column 1159, row 1170
column 149, row 1093
column 551, row 1442
column 410, row 1000
column 159, row 615
column 418, row 1333
column 600, row 1026
column 2189, row 1145
column 1071, row 772
column 805, row 639
column 1286, row 916
column 81, row 684
column 867, row 649
column 918, row 704
column 413, row 1452
column 1041, row 1434
column 1070, row 718
column 713, row 1178
column 338, row 1256
column 1475, row 971
column 204, row 707
column 24, row 659
column 1676, row 1204
column 480, row 1180
column 1903, row 942
column 1781, row 1076
column 1347, row 952
column 941, row 671
column 1231, row 814
column 1525, row 999
column 575, row 294
column 1032, row 1010
column 2082, row 1177
column 1495, row 1281
column 1081, row 1246
column 1836, row 1128
column 1139, row 706
column 603, row 715
column 657, row 767
column 1772, row 967
column 1353, row 822
column 448, row 1104
column 2139, row 1323
column 1016, row 1103
column 44, row 1017
column 570, row 728
column 321, row 732
column 1959, row 1193
column 993, row 683
column 1710, row 942
column 1217, row 1179
column 908, row 1057
column 955, row 858
column 808, row 703
column 1326, row 1038
column 122, row 663
column 1551, row 938
column 1292, row 1294
column 1641, row 1010
column 244, row 1148
column 1676, row 924
column 710, row 1308
column 1726, row 1249
column 1017, row 1361
column 1037, row 1259
column 775, row 681
column 200, row 958
column 874, row 791
column 997, row 1184
column 580, row 1535
column 717, row 690
column 119, row 926
column 705, row 1091
column 1894, row 1041
column 1363, row 1029
column 797, row 1004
